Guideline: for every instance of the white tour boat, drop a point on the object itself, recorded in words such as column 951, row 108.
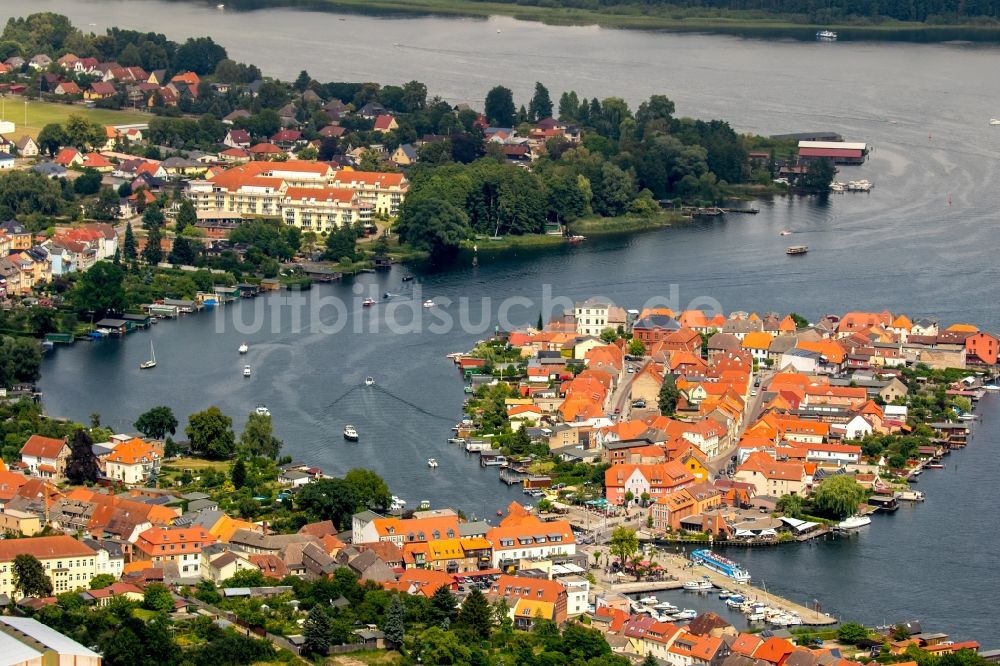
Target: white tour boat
column 432, row 463
column 262, row 410
column 244, row 348
column 350, row 434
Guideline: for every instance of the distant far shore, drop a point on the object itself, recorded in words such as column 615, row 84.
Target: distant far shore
column 748, row 24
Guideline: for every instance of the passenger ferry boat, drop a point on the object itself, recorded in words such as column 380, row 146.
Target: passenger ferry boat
column 796, row 249
column 720, row 564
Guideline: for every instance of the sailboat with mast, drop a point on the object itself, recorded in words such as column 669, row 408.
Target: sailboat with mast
column 151, row 363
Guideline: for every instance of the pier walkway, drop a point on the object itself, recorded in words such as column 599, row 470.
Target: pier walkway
column 678, row 566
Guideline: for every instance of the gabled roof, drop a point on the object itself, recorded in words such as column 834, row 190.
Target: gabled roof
column 43, row 447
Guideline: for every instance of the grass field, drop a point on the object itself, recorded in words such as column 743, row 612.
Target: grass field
column 41, row 114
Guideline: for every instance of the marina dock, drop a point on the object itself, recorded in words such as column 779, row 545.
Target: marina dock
column 680, row 566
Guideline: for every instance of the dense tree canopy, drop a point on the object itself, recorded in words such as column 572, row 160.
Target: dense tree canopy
column 211, row 434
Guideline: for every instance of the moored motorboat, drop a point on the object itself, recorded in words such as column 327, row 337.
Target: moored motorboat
column 698, row 585
column 853, row 523
column 350, row 433
column 244, row 348
column 432, row 463
column 649, row 600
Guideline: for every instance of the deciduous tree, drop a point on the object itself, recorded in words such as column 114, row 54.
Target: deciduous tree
column 157, row 423
column 838, row 495
column 211, row 434
column 30, row 579
column 499, row 107
column 82, row 467
column 258, row 437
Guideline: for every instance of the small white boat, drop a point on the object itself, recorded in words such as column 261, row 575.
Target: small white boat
column 428, row 303
column 244, row 348
column 698, row 585
column 666, row 606
column 456, row 440
column 991, row 387
column 368, row 302
column 432, row 463
column 246, row 370
column 651, row 600
column 262, row 410
column 755, row 616
column 350, row 434
column 397, row 504
column 786, row 232
column 686, row 614
column 724, row 594
column 994, row 121
column 826, row 36
column 220, row 6
column 369, row 381
column 853, row 523
column 151, row 363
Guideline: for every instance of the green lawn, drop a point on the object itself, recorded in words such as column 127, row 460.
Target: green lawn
column 41, row 114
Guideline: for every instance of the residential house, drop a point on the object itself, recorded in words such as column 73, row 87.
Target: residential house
column 531, row 598
column 134, row 461
column 770, row 477
column 99, row 90
column 385, row 123
column 221, row 565
column 26, row 146
column 404, row 155
column 181, row 545
column 45, row 457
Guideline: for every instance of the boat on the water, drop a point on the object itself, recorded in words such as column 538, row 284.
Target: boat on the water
column 151, row 363
column 428, row 303
column 720, row 564
column 665, row 606
column 246, row 370
column 686, row 614
column 368, row 302
column 651, row 600
column 262, row 410
column 853, row 523
column 796, row 249
column 369, row 381
column 244, row 348
column 697, row 585
column 826, row 36
column 724, row 594
column 994, row 121
column 432, row 463
column 934, row 465
column 786, row 232
column 407, row 278
column 350, row 433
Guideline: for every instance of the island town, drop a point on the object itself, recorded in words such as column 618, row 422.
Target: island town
column 652, row 445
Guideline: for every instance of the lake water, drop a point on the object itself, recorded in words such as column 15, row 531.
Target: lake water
column 923, row 242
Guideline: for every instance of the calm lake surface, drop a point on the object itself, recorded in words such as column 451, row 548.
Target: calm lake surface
column 923, row 242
